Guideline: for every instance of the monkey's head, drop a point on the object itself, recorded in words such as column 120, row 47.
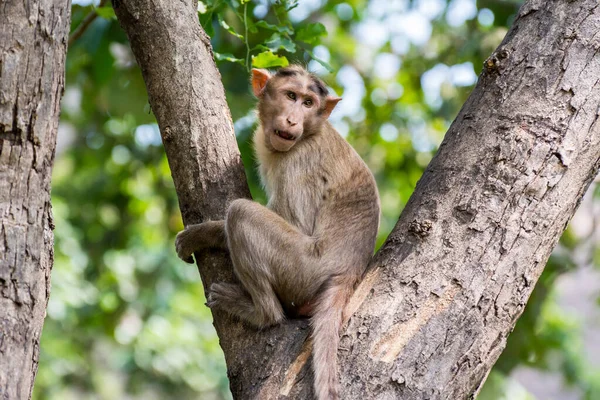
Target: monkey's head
column 293, row 104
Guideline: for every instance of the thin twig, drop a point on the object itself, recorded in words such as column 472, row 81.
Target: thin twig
column 84, row 24
column 248, row 66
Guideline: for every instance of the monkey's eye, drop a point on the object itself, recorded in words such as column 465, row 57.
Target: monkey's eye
column 291, row 95
column 308, row 103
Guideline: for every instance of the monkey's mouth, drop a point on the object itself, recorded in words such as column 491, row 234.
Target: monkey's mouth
column 285, row 135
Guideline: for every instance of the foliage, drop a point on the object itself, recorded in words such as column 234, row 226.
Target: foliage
column 269, row 38
column 126, row 319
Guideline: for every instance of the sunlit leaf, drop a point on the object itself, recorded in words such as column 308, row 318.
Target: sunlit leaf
column 228, row 57
column 267, row 59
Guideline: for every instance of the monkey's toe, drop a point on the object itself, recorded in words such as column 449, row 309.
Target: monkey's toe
column 210, row 303
column 212, row 300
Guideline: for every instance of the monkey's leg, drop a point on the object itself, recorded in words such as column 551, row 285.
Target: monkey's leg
column 210, row 234
column 270, row 258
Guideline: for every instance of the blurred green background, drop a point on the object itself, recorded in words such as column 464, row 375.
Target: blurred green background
column 126, row 318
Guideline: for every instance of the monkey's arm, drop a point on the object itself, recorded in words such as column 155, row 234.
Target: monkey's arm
column 210, row 234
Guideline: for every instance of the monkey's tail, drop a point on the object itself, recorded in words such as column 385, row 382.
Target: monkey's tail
column 326, row 324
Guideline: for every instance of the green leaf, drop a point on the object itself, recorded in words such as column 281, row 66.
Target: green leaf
column 292, row 6
column 106, row 12
column 228, row 28
column 276, row 42
column 228, row 57
column 311, row 33
column 250, row 24
column 267, row 59
column 206, row 22
column 280, row 29
column 260, row 47
column 324, row 63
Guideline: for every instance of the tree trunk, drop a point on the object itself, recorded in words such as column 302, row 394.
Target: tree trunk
column 33, row 44
column 434, row 311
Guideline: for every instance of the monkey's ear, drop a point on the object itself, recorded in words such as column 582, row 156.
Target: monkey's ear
column 259, row 80
column 330, row 103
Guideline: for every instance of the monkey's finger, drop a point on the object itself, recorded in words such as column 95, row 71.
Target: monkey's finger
column 189, row 260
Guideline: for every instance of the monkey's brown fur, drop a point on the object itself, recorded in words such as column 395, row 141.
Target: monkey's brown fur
column 304, row 252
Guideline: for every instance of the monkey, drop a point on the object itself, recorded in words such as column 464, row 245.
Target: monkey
column 304, row 253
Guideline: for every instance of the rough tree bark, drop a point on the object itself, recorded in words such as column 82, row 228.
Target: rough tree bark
column 33, row 45
column 442, row 294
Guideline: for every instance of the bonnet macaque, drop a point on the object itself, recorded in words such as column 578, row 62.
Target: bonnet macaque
column 303, row 253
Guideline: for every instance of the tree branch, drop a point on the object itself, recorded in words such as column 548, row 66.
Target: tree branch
column 462, row 261
column 33, row 46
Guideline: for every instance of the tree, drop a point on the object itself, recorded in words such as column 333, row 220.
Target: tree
column 33, row 44
column 432, row 315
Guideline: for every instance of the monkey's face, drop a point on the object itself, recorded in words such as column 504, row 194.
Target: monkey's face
column 292, row 105
column 293, row 114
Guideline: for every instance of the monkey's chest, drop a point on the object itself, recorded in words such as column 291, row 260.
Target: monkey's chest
column 297, row 207
column 295, row 192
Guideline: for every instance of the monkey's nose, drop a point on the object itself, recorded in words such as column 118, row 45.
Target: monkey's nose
column 292, row 123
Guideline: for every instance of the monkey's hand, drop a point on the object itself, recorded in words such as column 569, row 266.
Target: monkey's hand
column 207, row 235
column 185, row 245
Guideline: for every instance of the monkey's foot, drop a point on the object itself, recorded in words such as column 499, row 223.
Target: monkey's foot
column 222, row 295
column 234, row 300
